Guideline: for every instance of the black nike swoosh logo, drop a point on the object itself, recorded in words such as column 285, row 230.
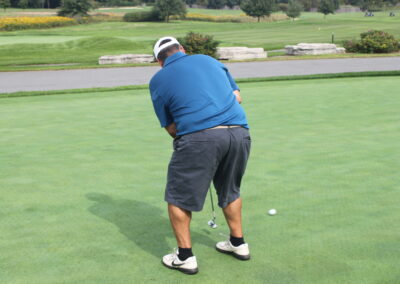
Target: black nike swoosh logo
column 174, row 264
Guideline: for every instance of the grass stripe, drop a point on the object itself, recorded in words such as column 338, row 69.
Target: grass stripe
column 241, row 81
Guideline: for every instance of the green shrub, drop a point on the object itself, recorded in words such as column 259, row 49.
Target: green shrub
column 196, row 43
column 143, row 16
column 373, row 42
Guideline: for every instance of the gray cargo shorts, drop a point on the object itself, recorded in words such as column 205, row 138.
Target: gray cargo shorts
column 218, row 155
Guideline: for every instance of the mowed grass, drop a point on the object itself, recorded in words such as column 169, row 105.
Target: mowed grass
column 82, row 181
column 84, row 44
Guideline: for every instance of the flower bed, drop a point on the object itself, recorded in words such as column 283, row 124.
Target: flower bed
column 22, row 23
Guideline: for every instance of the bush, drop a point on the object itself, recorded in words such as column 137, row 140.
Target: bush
column 373, row 42
column 196, row 43
column 145, row 16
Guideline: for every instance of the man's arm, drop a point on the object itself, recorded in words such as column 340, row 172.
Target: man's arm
column 237, row 95
column 171, row 129
column 236, row 90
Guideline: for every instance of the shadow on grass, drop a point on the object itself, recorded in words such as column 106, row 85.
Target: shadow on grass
column 140, row 222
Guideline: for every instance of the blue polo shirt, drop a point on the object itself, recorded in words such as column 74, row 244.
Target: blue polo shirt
column 195, row 92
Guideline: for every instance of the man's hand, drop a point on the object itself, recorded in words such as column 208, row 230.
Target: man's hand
column 171, row 129
column 237, row 95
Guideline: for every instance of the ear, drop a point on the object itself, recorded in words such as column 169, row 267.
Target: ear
column 181, row 49
column 160, row 62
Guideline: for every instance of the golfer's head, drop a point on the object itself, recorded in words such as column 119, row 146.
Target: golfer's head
column 165, row 47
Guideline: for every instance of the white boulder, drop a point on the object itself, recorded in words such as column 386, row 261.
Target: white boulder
column 126, row 59
column 240, row 53
column 313, row 49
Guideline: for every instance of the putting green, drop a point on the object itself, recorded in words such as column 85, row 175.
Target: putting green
column 82, row 179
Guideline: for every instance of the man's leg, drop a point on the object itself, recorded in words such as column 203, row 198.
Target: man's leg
column 180, row 221
column 235, row 245
column 183, row 259
column 233, row 216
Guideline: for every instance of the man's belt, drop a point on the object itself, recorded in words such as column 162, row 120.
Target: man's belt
column 224, row 126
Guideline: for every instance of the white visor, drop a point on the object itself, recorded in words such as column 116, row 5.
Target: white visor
column 158, row 48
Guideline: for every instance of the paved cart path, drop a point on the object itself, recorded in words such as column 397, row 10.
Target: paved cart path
column 112, row 77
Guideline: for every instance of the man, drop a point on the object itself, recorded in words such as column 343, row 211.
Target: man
column 197, row 102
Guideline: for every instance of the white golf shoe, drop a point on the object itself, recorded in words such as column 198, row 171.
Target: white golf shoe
column 240, row 252
column 188, row 266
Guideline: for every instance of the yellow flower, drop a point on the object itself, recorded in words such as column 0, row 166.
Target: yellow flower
column 19, row 23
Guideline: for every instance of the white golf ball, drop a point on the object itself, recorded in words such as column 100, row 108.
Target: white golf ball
column 272, row 212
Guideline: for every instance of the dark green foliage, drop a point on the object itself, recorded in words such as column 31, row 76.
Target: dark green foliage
column 5, row 4
column 307, row 4
column 190, row 2
column 72, row 8
column 257, row 8
column 371, row 5
column 142, row 16
column 121, row 3
column 216, row 4
column 167, row 8
column 23, row 4
column 196, row 43
column 203, row 3
column 283, row 7
column 232, row 3
column 114, row 3
column 326, row 7
column 294, row 9
column 373, row 42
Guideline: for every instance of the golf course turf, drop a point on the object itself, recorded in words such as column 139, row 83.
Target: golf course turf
column 82, row 181
column 84, row 44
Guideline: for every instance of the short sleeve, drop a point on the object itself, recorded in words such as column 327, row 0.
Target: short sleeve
column 230, row 78
column 162, row 111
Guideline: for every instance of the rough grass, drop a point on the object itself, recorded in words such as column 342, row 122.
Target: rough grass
column 25, row 47
column 82, row 179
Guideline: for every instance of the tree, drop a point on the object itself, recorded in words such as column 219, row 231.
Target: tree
column 5, row 4
column 232, row 3
column 370, row 5
column 216, row 4
column 307, row 4
column 203, row 3
column 72, row 8
column 23, row 4
column 167, row 8
column 257, row 8
column 190, row 2
column 326, row 7
column 294, row 9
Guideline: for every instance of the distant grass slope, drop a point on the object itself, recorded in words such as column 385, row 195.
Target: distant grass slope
column 82, row 179
column 53, row 46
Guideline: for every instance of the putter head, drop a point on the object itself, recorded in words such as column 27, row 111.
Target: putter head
column 212, row 224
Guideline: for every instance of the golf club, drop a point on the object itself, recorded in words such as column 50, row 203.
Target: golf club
column 212, row 223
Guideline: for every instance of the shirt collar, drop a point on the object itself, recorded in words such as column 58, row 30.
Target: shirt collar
column 174, row 57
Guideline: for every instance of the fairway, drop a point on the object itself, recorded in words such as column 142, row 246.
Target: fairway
column 82, row 181
column 84, row 44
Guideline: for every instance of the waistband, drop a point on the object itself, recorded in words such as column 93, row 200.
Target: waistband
column 224, row 126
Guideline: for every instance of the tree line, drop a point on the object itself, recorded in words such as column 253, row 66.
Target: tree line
column 368, row 5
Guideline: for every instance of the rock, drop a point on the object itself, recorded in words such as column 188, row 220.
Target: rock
column 240, row 53
column 126, row 59
column 313, row 49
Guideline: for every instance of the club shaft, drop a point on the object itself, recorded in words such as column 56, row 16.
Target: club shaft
column 212, row 204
